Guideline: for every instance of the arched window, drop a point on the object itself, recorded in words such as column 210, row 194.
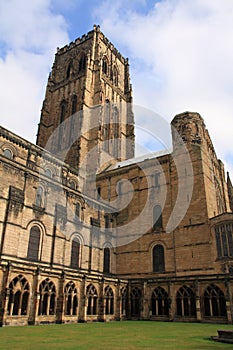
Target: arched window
column 77, row 210
column 135, row 298
column 48, row 172
column 115, row 76
column 214, row 302
column 63, row 111
column 92, row 299
column 106, row 260
column 105, row 65
column 158, row 258
column 34, row 243
column 47, row 294
column 18, row 301
column 8, row 153
column 40, row 197
column 75, row 253
column 116, row 132
column 123, row 300
column 82, row 63
column 68, row 71
column 74, row 104
column 157, row 217
column 107, row 221
column 71, row 299
column 73, row 184
column 159, row 302
column 185, row 302
column 108, row 301
column 61, row 129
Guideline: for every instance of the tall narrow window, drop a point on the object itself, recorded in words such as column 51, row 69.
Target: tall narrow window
column 157, row 217
column 74, row 104
column 34, row 244
column 158, row 259
column 156, row 179
column 99, row 191
column 61, row 127
column 105, row 65
column 106, row 260
column 75, row 253
column 40, row 197
column 115, row 76
column 82, row 63
column 116, row 132
column 68, row 71
column 18, row 302
column 107, row 221
column 77, row 210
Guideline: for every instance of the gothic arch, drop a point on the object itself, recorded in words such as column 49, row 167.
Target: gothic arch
column 135, row 299
column 71, row 299
column 108, row 301
column 92, row 300
column 19, row 291
column 159, row 302
column 186, row 302
column 47, row 298
column 82, row 62
column 105, row 65
column 214, row 302
column 69, row 70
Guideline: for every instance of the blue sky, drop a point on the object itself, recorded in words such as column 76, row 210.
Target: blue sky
column 180, row 54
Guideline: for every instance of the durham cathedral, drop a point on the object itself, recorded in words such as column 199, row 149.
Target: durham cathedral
column 88, row 232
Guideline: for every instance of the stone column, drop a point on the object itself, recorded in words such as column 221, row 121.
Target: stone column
column 101, row 315
column 145, row 302
column 5, row 294
column 128, row 311
column 35, row 298
column 198, row 304
column 82, row 301
column 117, row 302
column 171, row 301
column 229, row 306
column 60, row 299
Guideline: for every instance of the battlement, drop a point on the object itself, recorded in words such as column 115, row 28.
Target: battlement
column 88, row 36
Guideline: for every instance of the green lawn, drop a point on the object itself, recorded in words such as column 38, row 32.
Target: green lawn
column 113, row 335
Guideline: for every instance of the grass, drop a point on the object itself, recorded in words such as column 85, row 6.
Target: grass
column 113, row 335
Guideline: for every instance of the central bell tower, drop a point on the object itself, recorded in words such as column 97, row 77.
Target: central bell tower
column 88, row 102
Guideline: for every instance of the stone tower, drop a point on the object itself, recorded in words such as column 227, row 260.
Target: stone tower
column 208, row 169
column 87, row 107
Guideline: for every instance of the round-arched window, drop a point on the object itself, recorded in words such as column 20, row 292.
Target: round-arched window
column 8, row 153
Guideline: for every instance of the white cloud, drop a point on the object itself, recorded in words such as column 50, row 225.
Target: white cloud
column 29, row 34
column 181, row 56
